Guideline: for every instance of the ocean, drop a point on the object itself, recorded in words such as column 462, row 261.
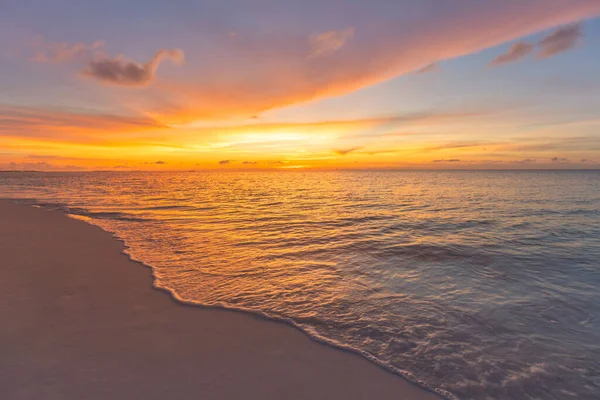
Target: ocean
column 480, row 284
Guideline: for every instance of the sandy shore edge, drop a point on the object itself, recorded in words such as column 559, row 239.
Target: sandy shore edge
column 81, row 320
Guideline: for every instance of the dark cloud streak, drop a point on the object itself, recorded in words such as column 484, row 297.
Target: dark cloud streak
column 118, row 71
column 559, row 41
column 515, row 53
column 433, row 67
column 526, row 161
column 344, row 152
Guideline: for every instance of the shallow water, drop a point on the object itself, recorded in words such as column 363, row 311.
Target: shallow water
column 483, row 284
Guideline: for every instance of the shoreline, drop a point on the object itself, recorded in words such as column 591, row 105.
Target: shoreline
column 77, row 333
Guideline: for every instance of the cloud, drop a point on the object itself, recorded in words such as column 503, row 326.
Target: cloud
column 273, row 62
column 61, row 52
column 516, row 52
column 119, row 71
column 250, row 162
column 44, row 157
column 560, row 160
column 452, row 160
column 526, row 161
column 366, row 128
column 160, row 163
column 577, row 143
column 322, row 44
column 225, row 162
column 57, row 123
column 433, row 67
column 37, row 166
column 559, row 41
column 255, row 72
column 113, row 70
column 452, row 146
column 53, row 157
column 344, row 152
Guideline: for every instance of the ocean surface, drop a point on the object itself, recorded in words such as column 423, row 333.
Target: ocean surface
column 485, row 285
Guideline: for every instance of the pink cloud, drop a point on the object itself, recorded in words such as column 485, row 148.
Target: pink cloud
column 252, row 72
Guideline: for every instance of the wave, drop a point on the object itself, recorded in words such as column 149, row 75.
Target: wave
column 80, row 211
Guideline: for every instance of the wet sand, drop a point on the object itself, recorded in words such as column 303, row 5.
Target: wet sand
column 82, row 321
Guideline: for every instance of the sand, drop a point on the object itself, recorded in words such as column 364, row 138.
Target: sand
column 79, row 320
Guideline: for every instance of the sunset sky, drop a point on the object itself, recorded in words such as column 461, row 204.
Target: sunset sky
column 252, row 84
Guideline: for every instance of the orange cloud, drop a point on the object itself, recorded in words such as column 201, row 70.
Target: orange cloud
column 57, row 124
column 365, row 128
column 37, row 166
column 248, row 73
column 453, row 146
column 254, row 73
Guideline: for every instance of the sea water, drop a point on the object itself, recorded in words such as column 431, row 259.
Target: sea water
column 485, row 285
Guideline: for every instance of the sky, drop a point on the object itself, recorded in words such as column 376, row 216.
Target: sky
column 314, row 84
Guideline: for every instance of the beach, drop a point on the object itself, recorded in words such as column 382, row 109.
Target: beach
column 82, row 321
